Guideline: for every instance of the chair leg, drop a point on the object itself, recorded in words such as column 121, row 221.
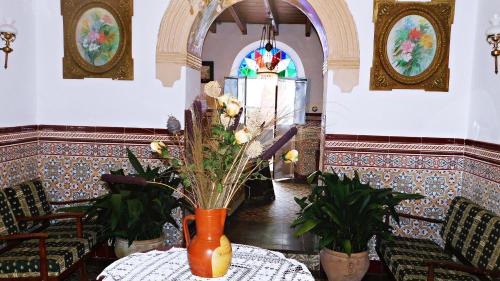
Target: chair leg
column 430, row 273
column 83, row 270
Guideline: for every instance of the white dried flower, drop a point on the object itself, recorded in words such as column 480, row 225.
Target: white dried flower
column 225, row 120
column 233, row 107
column 157, row 147
column 223, row 100
column 242, row 136
column 254, row 149
column 254, row 121
column 213, row 89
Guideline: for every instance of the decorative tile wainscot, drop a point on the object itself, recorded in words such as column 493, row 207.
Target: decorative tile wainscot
column 438, row 168
column 71, row 159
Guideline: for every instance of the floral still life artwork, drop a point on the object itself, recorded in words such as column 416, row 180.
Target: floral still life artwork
column 412, row 45
column 98, row 39
column 97, row 36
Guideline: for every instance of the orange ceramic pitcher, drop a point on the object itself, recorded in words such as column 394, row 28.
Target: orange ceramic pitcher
column 209, row 252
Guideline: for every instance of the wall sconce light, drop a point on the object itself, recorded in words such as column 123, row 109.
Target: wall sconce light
column 8, row 34
column 493, row 37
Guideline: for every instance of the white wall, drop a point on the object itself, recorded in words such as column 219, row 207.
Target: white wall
column 17, row 90
column 143, row 102
column 403, row 112
column 223, row 46
column 484, row 109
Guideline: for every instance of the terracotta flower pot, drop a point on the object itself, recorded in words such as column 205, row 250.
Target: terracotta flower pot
column 122, row 249
column 209, row 252
column 341, row 267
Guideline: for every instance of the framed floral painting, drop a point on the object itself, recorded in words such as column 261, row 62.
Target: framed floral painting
column 412, row 42
column 97, row 39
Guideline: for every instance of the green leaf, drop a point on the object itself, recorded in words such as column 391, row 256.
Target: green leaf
column 135, row 163
column 307, row 226
column 298, row 221
column 135, row 210
column 347, row 247
column 313, row 177
column 116, row 205
column 329, row 210
column 326, row 241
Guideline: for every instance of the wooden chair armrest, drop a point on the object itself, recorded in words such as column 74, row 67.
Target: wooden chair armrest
column 403, row 215
column 57, row 203
column 459, row 267
column 69, row 215
column 117, row 179
column 54, row 216
column 42, row 249
column 19, row 236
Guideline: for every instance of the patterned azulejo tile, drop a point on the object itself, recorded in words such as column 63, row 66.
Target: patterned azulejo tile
column 439, row 187
column 483, row 169
column 17, row 171
column 18, row 151
column 482, row 191
column 77, row 177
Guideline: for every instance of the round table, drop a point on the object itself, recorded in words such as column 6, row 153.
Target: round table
column 248, row 263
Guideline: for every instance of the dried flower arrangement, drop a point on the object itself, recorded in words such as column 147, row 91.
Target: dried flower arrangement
column 220, row 154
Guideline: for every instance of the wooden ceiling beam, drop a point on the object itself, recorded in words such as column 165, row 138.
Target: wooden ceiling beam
column 238, row 20
column 308, row 28
column 273, row 15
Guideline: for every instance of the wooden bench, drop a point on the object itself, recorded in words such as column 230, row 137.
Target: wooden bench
column 40, row 248
column 472, row 248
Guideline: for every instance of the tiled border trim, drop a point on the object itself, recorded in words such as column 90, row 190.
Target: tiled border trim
column 23, row 134
column 483, row 151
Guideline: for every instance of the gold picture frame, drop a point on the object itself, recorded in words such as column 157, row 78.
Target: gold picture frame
column 412, row 45
column 97, row 39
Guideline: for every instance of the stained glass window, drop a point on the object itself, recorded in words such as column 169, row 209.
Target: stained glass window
column 255, row 60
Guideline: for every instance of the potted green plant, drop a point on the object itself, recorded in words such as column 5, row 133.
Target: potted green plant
column 137, row 206
column 345, row 214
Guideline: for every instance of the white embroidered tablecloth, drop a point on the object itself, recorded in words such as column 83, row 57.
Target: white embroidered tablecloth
column 248, row 263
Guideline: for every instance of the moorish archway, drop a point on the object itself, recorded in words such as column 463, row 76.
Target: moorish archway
column 182, row 33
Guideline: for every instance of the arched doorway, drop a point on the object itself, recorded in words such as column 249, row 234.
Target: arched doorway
column 182, row 37
column 182, row 33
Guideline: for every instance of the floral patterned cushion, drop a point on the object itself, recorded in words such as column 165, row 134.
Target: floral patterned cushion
column 8, row 223
column 474, row 233
column 407, row 260
column 93, row 232
column 28, row 199
column 24, row 260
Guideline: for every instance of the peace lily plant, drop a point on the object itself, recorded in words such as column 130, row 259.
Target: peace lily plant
column 220, row 153
column 345, row 214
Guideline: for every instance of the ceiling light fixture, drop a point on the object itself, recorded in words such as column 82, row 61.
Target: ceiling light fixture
column 268, row 42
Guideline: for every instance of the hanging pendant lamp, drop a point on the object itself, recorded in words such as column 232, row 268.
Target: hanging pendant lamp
column 268, row 42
